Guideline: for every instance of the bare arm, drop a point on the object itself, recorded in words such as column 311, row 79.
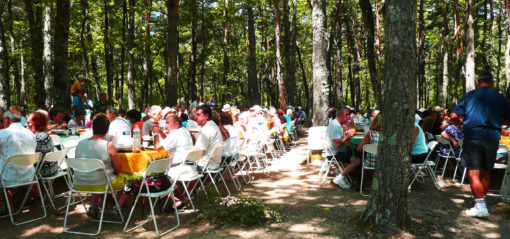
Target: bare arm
column 415, row 135
column 112, row 151
column 450, row 138
column 365, row 140
column 157, row 137
column 340, row 142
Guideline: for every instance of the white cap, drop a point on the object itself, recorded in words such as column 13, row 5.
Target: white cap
column 226, row 108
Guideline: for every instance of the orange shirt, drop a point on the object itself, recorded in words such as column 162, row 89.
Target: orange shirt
column 139, row 123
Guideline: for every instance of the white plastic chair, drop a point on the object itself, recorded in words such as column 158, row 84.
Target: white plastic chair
column 370, row 149
column 89, row 165
column 156, row 167
column 70, row 141
column 185, row 180
column 208, row 172
column 427, row 165
column 56, row 157
column 504, row 191
column 56, row 140
column 316, row 137
column 451, row 153
column 21, row 160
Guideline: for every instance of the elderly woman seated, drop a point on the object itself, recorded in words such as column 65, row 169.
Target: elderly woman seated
column 452, row 133
column 97, row 147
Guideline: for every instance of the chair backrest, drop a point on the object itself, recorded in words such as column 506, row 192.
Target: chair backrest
column 317, row 130
column 461, row 142
column 54, row 156
column 429, row 136
column 70, row 151
column 316, row 137
column 504, row 147
column 370, row 148
column 85, row 164
column 441, row 140
column 56, row 139
column 159, row 166
column 195, row 155
column 432, row 145
column 24, row 160
column 70, row 141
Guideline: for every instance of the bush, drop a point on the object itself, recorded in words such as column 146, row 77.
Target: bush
column 245, row 210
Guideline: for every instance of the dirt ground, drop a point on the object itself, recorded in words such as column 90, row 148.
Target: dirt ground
column 311, row 211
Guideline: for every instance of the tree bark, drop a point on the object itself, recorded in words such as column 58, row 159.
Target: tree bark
column 444, row 50
column 48, row 64
column 470, row 44
column 5, row 89
column 279, row 66
column 387, row 205
column 108, row 51
column 338, row 66
column 85, row 41
column 507, row 50
column 253, row 91
column 292, row 57
column 288, row 51
column 14, row 58
column 172, row 51
column 60, row 50
column 320, row 71
column 192, row 71
column 421, row 54
column 131, row 56
column 34, row 12
column 147, row 62
column 303, row 73
column 368, row 19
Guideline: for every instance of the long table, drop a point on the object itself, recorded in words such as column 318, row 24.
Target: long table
column 136, row 162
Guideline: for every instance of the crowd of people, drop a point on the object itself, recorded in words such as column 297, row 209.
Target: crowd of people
column 178, row 130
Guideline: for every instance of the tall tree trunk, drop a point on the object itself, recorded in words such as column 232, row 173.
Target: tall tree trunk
column 192, row 72
column 253, row 91
column 23, row 81
column 291, row 68
column 279, row 68
column 14, row 57
column 368, row 19
column 108, row 51
column 172, row 51
column 131, row 55
column 387, row 205
column 85, row 41
column 444, row 50
column 48, row 64
column 470, row 52
column 60, row 53
column 147, row 62
column 338, row 66
column 378, row 28
column 119, row 83
column 288, row 51
column 507, row 50
column 34, row 12
column 303, row 73
column 320, row 71
column 5, row 89
column 225, row 47
column 421, row 54
column 500, row 43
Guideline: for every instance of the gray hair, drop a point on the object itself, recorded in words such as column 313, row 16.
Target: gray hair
column 13, row 117
column 155, row 109
column 113, row 110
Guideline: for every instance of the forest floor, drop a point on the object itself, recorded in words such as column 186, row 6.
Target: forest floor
column 310, row 211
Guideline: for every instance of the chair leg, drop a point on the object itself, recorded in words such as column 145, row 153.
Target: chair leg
column 361, row 182
column 433, row 177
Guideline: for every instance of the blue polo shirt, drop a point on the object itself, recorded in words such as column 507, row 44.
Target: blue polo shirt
column 483, row 109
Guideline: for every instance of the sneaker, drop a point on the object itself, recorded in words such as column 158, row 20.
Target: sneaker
column 342, row 182
column 93, row 212
column 474, row 212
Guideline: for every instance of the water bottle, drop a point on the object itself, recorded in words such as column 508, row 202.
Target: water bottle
column 136, row 137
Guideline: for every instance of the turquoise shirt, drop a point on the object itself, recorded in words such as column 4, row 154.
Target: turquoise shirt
column 420, row 145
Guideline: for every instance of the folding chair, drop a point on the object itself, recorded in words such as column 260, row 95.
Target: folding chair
column 21, row 161
column 86, row 165
column 451, row 153
column 56, row 140
column 185, row 180
column 316, row 137
column 208, row 172
column 370, row 149
column 70, row 141
column 47, row 181
column 254, row 151
column 504, row 192
column 156, row 167
column 428, row 165
column 461, row 144
column 429, row 137
column 329, row 158
column 229, row 166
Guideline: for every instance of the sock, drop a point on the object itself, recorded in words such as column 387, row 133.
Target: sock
column 480, row 203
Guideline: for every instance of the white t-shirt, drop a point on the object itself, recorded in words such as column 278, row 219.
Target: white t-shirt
column 180, row 143
column 73, row 124
column 119, row 127
column 333, row 132
column 209, row 139
column 16, row 139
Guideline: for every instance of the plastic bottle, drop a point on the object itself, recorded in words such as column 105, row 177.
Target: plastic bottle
column 136, row 138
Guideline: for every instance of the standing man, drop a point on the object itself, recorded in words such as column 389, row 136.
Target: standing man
column 483, row 110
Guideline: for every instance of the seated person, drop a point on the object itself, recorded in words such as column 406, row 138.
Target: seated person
column 15, row 139
column 372, row 137
column 57, row 119
column 97, row 147
column 135, row 118
column 420, row 150
column 118, row 126
column 432, row 123
column 79, row 119
column 209, row 138
column 155, row 114
column 452, row 133
column 336, row 140
column 38, row 123
column 179, row 142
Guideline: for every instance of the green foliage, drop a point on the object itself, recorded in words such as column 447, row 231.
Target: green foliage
column 245, row 210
